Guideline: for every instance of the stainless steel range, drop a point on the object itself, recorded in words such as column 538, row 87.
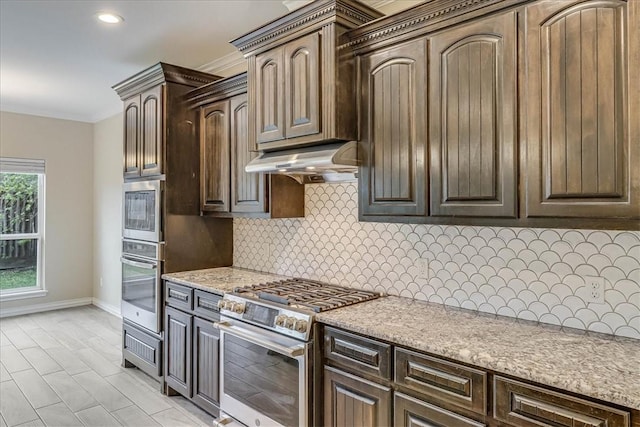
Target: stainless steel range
column 267, row 349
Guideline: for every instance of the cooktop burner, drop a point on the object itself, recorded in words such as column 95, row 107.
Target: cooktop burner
column 306, row 294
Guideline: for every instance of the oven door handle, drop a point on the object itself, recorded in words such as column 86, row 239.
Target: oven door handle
column 144, row 265
column 295, row 351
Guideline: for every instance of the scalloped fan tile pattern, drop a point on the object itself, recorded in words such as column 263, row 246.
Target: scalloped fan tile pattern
column 532, row 274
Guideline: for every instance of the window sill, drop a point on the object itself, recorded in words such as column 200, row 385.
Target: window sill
column 11, row 296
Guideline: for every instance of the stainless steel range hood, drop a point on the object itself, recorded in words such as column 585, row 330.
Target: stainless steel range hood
column 334, row 162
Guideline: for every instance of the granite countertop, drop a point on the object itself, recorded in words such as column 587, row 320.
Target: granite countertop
column 596, row 366
column 221, row 280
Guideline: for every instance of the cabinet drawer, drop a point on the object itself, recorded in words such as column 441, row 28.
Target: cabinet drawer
column 442, row 380
column 357, row 353
column 179, row 296
column 410, row 412
column 205, row 305
column 144, row 350
column 530, row 406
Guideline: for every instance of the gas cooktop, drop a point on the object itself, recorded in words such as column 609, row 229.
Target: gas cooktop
column 306, row 294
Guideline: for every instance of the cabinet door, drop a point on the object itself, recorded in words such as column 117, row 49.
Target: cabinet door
column 393, row 179
column 177, row 341
column 151, row 137
column 412, row 412
column 131, row 165
column 269, row 93
column 473, row 129
column 214, row 157
column 247, row 189
column 581, row 109
column 352, row 401
column 205, row 364
column 302, row 86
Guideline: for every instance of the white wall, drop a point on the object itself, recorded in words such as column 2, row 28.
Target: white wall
column 107, row 204
column 67, row 148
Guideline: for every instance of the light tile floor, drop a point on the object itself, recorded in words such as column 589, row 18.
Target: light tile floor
column 62, row 368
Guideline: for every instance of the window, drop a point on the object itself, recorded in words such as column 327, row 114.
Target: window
column 21, row 228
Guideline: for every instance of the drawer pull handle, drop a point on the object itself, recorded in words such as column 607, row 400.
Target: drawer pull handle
column 208, row 305
column 544, row 412
column 437, row 378
column 354, row 351
column 178, row 295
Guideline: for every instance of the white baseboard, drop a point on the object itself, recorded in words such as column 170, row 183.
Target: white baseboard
column 112, row 309
column 37, row 308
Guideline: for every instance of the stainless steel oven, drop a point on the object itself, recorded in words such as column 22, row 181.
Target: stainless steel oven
column 141, row 283
column 141, row 216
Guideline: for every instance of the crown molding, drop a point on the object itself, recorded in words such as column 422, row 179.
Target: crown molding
column 297, row 4
column 226, row 62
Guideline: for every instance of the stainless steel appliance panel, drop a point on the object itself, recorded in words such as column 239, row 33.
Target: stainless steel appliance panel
column 141, row 210
column 141, row 295
column 264, row 376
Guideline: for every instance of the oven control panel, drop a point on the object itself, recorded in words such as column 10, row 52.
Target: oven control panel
column 276, row 318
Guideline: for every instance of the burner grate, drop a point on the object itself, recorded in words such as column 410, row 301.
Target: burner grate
column 307, row 294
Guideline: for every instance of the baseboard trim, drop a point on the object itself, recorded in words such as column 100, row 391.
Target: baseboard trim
column 37, row 308
column 111, row 309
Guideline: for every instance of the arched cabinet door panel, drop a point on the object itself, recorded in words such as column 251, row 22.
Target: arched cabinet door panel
column 581, row 109
column 151, row 137
column 131, row 167
column 473, row 126
column 269, row 91
column 393, row 178
column 214, row 157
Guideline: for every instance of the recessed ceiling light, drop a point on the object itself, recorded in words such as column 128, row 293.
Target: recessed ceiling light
column 109, row 18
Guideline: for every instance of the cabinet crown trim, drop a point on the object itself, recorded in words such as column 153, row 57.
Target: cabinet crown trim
column 225, row 88
column 349, row 13
column 418, row 20
column 161, row 73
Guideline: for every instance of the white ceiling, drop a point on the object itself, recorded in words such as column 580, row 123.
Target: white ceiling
column 57, row 60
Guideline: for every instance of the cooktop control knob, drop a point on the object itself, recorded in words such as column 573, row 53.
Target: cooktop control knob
column 289, row 323
column 238, row 307
column 280, row 319
column 301, row 326
column 222, row 304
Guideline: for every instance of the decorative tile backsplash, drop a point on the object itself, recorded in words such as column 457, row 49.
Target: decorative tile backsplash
column 533, row 274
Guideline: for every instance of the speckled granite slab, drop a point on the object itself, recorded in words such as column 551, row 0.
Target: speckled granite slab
column 607, row 369
column 221, row 280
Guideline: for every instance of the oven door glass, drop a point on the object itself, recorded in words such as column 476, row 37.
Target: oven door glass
column 140, row 283
column 266, row 381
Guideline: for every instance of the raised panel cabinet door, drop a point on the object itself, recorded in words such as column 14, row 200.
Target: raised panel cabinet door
column 206, row 343
column 473, row 126
column 247, row 189
column 269, row 96
column 131, row 167
column 302, row 86
column 581, row 109
column 151, row 136
column 352, row 401
column 177, row 354
column 214, row 157
column 393, row 178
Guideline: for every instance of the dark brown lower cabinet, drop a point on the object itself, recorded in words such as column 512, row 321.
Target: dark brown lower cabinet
column 412, row 412
column 177, row 355
column 352, row 401
column 191, row 345
column 206, row 343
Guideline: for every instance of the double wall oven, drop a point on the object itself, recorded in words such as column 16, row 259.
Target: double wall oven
column 268, row 353
column 142, row 254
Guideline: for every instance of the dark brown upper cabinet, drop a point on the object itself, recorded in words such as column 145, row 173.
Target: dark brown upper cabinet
column 473, row 118
column 301, row 88
column 582, row 109
column 393, row 111
column 226, row 189
column 528, row 117
column 151, row 108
